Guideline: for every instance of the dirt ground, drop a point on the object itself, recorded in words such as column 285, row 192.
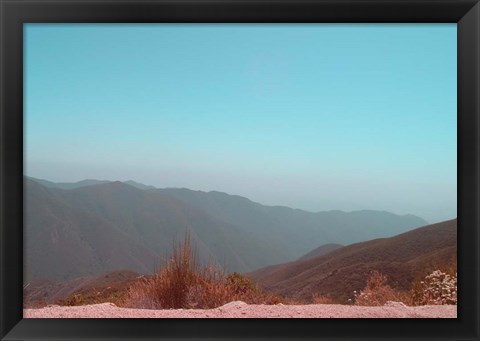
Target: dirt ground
column 242, row 310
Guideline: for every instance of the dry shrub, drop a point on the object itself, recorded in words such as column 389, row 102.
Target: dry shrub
column 435, row 289
column 322, row 299
column 183, row 283
column 74, row 300
column 142, row 295
column 377, row 292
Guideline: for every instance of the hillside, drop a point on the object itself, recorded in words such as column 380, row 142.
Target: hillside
column 92, row 289
column 320, row 251
column 402, row 258
column 95, row 228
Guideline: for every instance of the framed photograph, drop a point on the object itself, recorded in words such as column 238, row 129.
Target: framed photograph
column 240, row 169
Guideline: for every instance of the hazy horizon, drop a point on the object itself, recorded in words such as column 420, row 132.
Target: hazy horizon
column 316, row 117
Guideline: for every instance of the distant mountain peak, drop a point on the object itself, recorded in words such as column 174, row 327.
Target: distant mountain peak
column 139, row 185
column 88, row 182
column 115, row 186
column 68, row 185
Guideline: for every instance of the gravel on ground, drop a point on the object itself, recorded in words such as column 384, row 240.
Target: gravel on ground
column 242, row 310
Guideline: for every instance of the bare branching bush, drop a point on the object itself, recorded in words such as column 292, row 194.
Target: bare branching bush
column 377, row 292
column 437, row 288
column 183, row 283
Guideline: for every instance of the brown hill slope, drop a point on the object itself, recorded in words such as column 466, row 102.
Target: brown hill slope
column 320, row 251
column 337, row 274
column 84, row 290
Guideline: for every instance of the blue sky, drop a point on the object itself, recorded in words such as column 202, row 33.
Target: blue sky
column 312, row 116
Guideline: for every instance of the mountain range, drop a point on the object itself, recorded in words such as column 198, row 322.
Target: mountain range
column 91, row 227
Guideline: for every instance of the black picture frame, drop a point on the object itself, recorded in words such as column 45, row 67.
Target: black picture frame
column 14, row 13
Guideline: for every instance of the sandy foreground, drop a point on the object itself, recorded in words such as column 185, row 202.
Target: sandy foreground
column 243, row 310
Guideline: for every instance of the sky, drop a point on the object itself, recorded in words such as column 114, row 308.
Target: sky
column 310, row 116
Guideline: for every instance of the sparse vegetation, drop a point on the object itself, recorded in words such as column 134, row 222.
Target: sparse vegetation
column 377, row 292
column 116, row 296
column 76, row 299
column 322, row 299
column 436, row 288
column 183, row 283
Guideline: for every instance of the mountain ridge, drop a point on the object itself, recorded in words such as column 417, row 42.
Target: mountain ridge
column 231, row 230
column 142, row 186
